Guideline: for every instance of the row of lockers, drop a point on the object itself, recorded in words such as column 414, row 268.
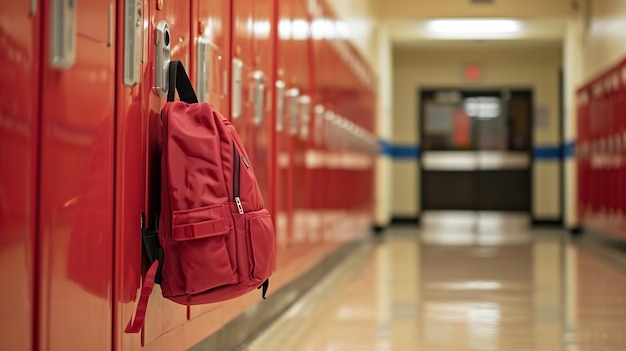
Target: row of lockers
column 79, row 139
column 601, row 152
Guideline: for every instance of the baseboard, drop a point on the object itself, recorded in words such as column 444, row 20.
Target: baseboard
column 545, row 222
column 400, row 220
column 378, row 229
column 245, row 327
column 576, row 230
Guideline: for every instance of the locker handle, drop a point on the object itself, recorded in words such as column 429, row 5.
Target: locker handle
column 63, row 34
column 293, row 94
column 132, row 41
column 329, row 117
column 163, row 57
column 237, row 86
column 259, row 93
column 319, row 120
column 280, row 105
column 305, row 116
column 204, row 69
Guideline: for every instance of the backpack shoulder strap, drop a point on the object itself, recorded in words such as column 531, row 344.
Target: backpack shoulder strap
column 179, row 81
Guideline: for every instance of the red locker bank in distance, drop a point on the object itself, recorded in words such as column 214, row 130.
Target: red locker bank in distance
column 601, row 146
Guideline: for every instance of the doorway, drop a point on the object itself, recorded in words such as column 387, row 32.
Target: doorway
column 476, row 151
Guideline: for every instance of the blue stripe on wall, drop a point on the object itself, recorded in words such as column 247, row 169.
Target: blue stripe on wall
column 569, row 149
column 547, row 152
column 408, row 151
column 399, row 151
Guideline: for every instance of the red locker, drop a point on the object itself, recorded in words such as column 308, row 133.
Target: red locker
column 211, row 60
column 612, row 85
column 322, row 112
column 19, row 104
column 299, row 115
column 133, row 86
column 262, row 130
column 584, row 154
column 620, row 122
column 242, row 70
column 151, row 34
column 76, row 176
column 283, row 106
column 595, row 132
column 164, row 317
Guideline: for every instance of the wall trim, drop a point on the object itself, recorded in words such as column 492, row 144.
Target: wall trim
column 569, row 149
column 547, row 152
column 405, row 220
column 547, row 222
column 400, row 151
column 541, row 152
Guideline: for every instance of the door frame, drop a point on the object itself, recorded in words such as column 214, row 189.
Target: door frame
column 421, row 91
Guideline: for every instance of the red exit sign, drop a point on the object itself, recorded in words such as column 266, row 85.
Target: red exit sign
column 473, row 72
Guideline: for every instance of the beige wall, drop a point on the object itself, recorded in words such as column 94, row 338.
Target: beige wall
column 524, row 65
column 603, row 35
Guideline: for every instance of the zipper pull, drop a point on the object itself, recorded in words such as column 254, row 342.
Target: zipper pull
column 239, row 205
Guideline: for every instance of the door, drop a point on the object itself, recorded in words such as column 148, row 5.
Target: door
column 476, row 150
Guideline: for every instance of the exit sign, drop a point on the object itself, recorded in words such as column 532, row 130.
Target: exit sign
column 473, row 72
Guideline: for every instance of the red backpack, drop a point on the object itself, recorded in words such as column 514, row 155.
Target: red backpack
column 215, row 240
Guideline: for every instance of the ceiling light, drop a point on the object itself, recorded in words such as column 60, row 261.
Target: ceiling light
column 473, row 26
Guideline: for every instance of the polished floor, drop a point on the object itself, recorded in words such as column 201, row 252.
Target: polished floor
column 445, row 289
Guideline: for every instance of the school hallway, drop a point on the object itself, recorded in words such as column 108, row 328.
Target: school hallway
column 439, row 288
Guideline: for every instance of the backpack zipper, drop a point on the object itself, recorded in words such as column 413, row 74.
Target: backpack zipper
column 237, row 178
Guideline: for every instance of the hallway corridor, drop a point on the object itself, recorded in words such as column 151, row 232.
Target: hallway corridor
column 517, row 290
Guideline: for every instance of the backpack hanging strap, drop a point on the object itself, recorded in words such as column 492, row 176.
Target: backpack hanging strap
column 179, row 81
column 134, row 326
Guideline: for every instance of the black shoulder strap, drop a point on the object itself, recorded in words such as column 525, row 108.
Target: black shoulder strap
column 179, row 81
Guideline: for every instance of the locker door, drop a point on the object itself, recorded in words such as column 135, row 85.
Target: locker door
column 612, row 83
column 262, row 136
column 594, row 143
column 300, row 116
column 242, row 68
column 621, row 136
column 211, row 62
column 163, row 315
column 19, row 103
column 76, row 176
column 583, row 154
column 133, row 87
column 283, row 190
column 315, row 158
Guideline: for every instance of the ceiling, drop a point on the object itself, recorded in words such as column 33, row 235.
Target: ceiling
column 426, row 9
column 407, row 20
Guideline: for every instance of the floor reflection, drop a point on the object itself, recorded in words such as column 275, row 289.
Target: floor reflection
column 434, row 289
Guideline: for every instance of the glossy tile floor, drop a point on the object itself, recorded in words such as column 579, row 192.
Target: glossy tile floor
column 435, row 289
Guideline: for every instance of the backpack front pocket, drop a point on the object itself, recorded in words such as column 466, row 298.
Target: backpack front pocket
column 207, row 248
column 261, row 244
